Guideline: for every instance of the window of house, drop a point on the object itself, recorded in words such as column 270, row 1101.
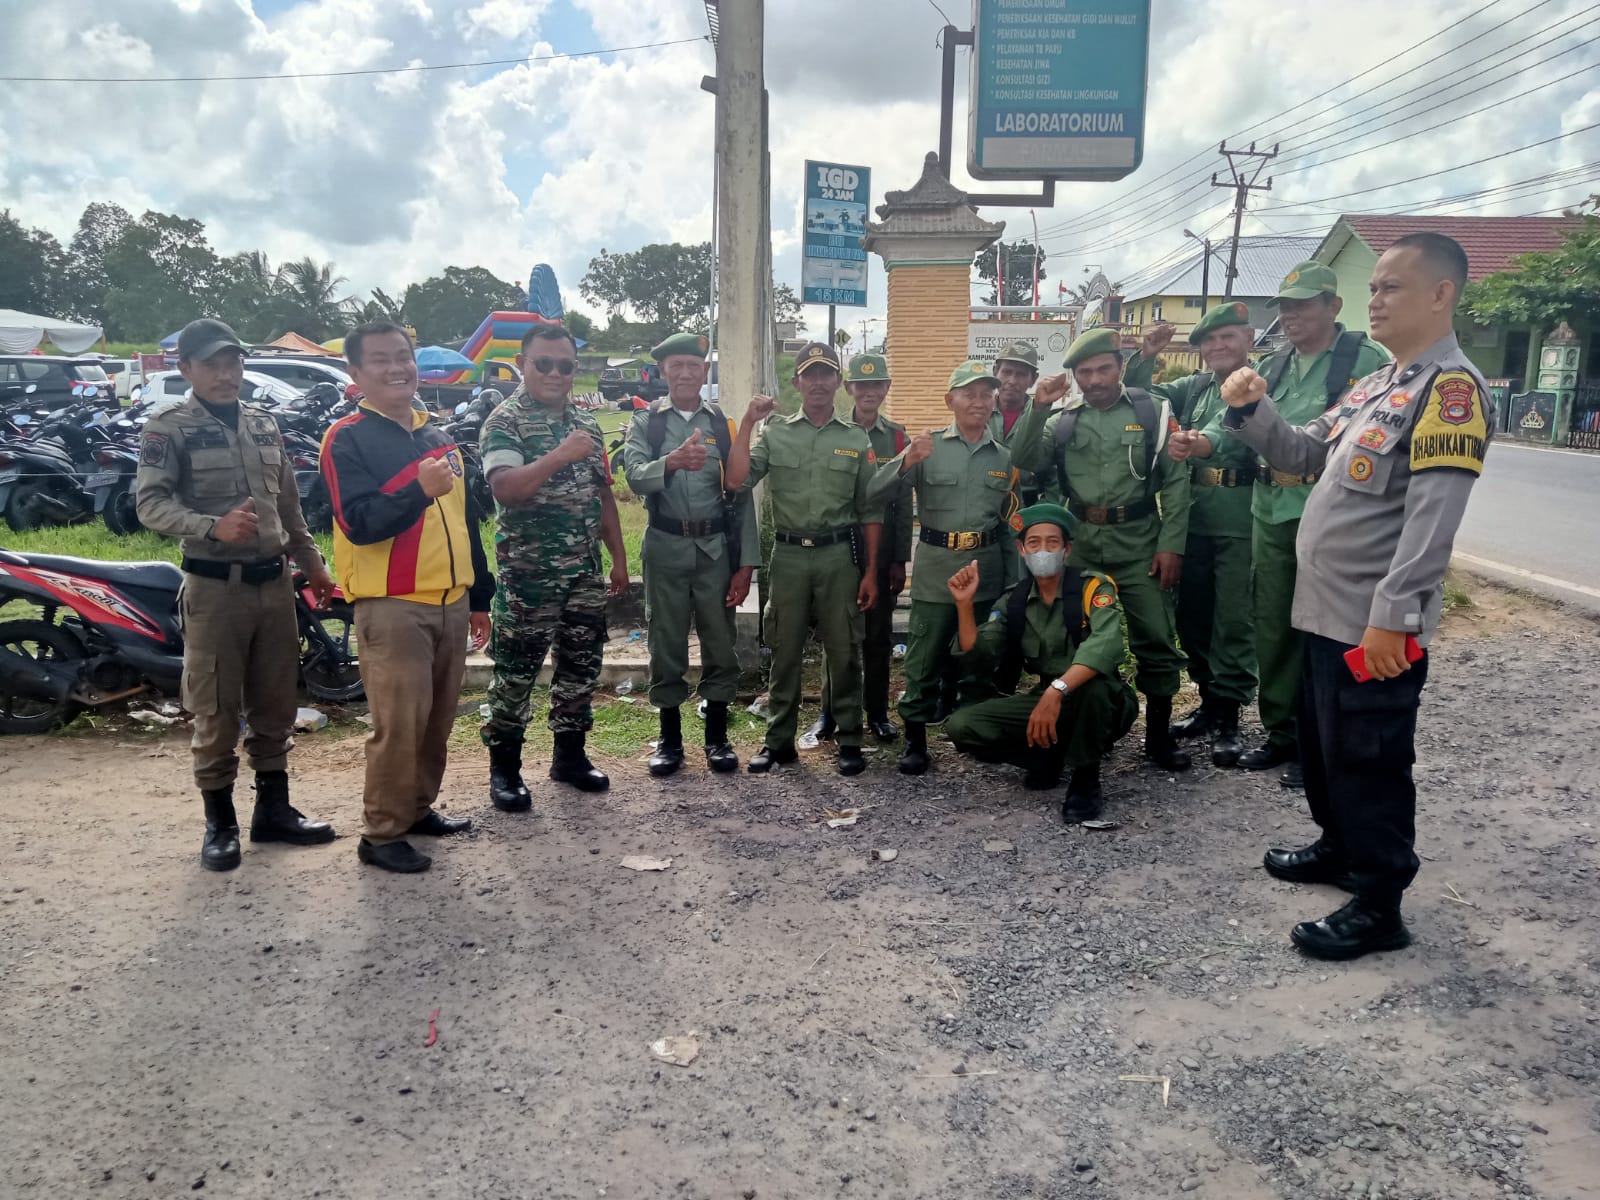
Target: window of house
column 1191, row 302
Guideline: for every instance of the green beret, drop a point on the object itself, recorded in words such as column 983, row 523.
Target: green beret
column 1102, row 339
column 696, row 344
column 1307, row 281
column 1042, row 514
column 1229, row 312
column 1025, row 353
column 867, row 368
column 970, row 372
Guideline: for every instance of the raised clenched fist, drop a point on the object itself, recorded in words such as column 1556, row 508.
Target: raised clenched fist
column 1050, row 389
column 761, row 407
column 920, row 448
column 436, row 477
column 576, row 446
column 1155, row 341
column 1243, row 387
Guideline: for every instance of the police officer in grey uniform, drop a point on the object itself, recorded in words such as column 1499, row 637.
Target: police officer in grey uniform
column 212, row 471
column 1397, row 459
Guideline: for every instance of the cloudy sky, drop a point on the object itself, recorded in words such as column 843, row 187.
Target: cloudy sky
column 394, row 176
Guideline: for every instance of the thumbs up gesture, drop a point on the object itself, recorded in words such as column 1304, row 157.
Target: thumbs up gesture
column 238, row 525
column 963, row 584
column 920, row 448
column 1243, row 387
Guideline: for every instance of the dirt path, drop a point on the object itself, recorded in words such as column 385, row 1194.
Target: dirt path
column 950, row 1024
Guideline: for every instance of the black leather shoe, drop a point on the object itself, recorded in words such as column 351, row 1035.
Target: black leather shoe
column 399, row 857
column 1310, row 864
column 1159, row 747
column 220, row 849
column 766, row 758
column 914, row 759
column 275, row 820
column 569, row 763
column 1356, row 929
column 851, row 760
column 1293, row 776
column 1193, row 724
column 507, row 792
column 823, row 727
column 1084, row 800
column 883, row 729
column 436, row 824
column 667, row 758
column 1226, row 743
column 1265, row 757
column 721, row 758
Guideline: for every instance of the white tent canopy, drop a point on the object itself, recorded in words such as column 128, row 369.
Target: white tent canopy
column 21, row 332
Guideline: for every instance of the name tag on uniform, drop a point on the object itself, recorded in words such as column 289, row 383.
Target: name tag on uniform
column 1133, row 429
column 999, row 474
column 847, row 453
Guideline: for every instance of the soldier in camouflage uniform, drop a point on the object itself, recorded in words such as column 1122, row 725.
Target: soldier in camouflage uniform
column 546, row 464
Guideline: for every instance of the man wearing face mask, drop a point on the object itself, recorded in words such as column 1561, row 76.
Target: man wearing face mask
column 1065, row 626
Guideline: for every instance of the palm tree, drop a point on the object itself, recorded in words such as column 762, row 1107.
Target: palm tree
column 308, row 300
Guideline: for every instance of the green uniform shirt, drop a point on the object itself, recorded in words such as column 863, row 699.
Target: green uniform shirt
column 557, row 535
column 686, row 495
column 888, row 440
column 961, row 487
column 1215, row 510
column 1026, row 481
column 1301, row 397
column 819, row 474
column 1105, row 467
column 1046, row 651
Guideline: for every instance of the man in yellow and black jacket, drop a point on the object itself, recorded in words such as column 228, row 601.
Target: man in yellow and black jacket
column 409, row 556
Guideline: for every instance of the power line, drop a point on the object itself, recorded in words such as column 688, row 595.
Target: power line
column 412, row 69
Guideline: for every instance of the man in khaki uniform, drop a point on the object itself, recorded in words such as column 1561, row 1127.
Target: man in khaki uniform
column 866, row 379
column 212, row 472
column 818, row 467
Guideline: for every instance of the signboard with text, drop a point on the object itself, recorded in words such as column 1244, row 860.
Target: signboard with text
column 985, row 339
column 1058, row 88
column 834, row 270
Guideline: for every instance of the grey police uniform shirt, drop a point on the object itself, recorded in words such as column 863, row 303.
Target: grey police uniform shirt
column 1398, row 456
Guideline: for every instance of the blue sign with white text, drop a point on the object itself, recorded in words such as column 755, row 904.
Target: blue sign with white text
column 834, row 269
column 1058, row 88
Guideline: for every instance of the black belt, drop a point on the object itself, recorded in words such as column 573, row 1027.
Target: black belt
column 694, row 529
column 812, row 540
column 963, row 540
column 1272, row 478
column 1228, row 477
column 1117, row 514
column 263, row 570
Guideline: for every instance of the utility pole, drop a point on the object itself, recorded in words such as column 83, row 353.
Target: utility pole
column 1243, row 183
column 743, row 307
column 1205, row 275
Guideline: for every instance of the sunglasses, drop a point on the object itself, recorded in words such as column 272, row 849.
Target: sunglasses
column 555, row 366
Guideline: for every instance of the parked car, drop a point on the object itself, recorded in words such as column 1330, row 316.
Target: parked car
column 165, row 388
column 56, row 381
column 302, row 374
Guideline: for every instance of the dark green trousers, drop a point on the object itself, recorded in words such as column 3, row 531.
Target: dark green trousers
column 1214, row 617
column 877, row 648
column 809, row 586
column 1280, row 647
column 1093, row 717
column 1152, row 625
column 675, row 593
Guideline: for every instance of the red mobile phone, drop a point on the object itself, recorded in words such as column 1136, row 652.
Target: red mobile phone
column 1356, row 658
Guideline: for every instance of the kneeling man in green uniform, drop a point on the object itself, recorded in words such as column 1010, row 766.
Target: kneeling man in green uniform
column 1063, row 624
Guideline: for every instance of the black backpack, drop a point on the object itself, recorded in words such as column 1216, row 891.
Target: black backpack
column 1346, row 349
column 655, row 433
column 1010, row 669
column 1155, row 437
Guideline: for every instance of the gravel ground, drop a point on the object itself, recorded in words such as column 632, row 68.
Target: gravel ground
column 957, row 1022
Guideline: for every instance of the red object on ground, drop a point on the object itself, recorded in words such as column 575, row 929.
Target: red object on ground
column 433, row 1029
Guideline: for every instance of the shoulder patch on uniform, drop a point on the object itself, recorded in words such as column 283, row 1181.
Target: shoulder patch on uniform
column 1361, row 468
column 1103, row 600
column 1016, row 521
column 847, row 452
column 1399, row 399
column 1172, row 425
column 1374, row 438
column 153, row 450
column 872, row 455
column 1452, row 429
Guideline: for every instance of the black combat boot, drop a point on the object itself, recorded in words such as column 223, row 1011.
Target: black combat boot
column 1226, row 743
column 276, row 821
column 1044, row 768
column 1159, row 746
column 914, row 760
column 507, row 792
column 668, row 756
column 1360, row 927
column 881, row 727
column 1084, row 798
column 719, row 751
column 1195, row 723
column 570, row 764
column 220, row 850
column 1316, row 863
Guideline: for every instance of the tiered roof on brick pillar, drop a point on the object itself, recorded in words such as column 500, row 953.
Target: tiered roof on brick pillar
column 927, row 239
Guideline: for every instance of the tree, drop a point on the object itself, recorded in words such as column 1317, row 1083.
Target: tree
column 450, row 307
column 786, row 307
column 247, row 296
column 307, row 300
column 100, row 228
column 1018, row 261
column 580, row 325
column 32, row 269
column 160, row 275
column 667, row 285
column 1545, row 288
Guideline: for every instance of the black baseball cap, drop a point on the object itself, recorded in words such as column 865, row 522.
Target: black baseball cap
column 813, row 353
column 203, row 338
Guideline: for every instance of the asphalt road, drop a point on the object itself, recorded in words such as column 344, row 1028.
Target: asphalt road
column 1534, row 520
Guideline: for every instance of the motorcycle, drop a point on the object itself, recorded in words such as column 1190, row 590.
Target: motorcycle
column 41, row 473
column 113, row 486
column 109, row 630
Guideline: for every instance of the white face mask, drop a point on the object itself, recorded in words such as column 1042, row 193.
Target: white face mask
column 1045, row 564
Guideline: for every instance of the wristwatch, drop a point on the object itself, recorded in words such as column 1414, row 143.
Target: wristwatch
column 1060, row 685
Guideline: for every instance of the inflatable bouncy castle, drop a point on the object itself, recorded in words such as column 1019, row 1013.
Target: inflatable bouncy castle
column 500, row 335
